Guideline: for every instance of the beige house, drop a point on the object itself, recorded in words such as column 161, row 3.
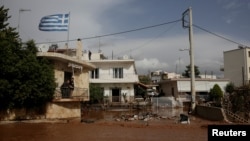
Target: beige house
column 237, row 65
column 67, row 66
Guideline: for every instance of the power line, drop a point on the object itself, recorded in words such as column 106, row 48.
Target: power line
column 218, row 35
column 142, row 28
column 111, row 34
column 144, row 44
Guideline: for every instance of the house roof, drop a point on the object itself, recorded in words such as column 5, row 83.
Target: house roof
column 189, row 79
column 111, row 61
column 201, row 84
column 65, row 58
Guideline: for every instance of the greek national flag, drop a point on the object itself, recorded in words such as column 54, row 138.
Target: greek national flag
column 56, row 22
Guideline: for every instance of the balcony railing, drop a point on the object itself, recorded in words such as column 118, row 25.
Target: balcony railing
column 66, row 94
column 127, row 77
column 118, row 99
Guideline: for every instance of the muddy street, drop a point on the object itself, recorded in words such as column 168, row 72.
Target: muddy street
column 106, row 128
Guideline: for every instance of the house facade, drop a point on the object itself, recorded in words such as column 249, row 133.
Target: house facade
column 237, row 65
column 180, row 88
column 159, row 75
column 67, row 102
column 116, row 77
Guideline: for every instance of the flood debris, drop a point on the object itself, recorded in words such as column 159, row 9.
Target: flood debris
column 184, row 119
column 87, row 120
column 146, row 117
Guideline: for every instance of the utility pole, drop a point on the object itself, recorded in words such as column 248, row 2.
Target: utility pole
column 190, row 26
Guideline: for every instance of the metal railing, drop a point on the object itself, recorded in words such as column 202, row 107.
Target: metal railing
column 67, row 93
column 118, row 99
column 127, row 77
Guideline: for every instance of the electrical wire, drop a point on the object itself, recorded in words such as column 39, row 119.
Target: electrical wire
column 147, row 42
column 111, row 34
column 218, row 35
column 143, row 28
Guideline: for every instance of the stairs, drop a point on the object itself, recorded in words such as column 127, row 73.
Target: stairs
column 235, row 117
column 226, row 105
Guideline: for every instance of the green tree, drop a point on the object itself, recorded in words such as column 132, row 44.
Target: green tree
column 216, row 93
column 230, row 88
column 25, row 80
column 240, row 99
column 187, row 72
column 144, row 79
column 96, row 93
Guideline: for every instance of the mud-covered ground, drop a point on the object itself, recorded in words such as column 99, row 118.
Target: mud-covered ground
column 107, row 130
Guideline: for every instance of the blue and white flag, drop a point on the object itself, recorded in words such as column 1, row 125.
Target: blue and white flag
column 56, row 22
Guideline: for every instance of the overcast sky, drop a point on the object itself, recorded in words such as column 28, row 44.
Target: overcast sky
column 153, row 48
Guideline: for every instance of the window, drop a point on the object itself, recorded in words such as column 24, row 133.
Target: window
column 248, row 53
column 95, row 74
column 117, row 72
column 172, row 91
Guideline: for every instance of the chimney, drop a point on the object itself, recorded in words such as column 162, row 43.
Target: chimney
column 79, row 49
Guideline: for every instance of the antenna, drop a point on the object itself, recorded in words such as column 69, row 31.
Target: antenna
column 99, row 45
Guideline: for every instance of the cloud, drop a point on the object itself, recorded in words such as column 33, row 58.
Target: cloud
column 85, row 17
column 234, row 9
column 151, row 64
column 164, row 54
column 91, row 18
column 232, row 5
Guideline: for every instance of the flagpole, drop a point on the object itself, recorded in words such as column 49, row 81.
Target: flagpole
column 68, row 35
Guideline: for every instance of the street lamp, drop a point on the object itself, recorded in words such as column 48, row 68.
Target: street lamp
column 20, row 11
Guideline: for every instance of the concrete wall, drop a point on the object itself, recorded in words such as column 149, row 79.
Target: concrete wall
column 166, row 102
column 58, row 110
column 62, row 110
column 169, row 88
column 210, row 113
column 234, row 62
column 21, row 114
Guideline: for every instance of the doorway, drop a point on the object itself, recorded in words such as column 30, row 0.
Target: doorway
column 116, row 95
column 67, row 76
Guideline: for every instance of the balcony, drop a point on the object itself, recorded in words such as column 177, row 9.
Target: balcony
column 67, row 95
column 108, row 78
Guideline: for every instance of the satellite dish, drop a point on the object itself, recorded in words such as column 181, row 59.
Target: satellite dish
column 43, row 48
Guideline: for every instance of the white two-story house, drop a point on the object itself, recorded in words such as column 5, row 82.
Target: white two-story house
column 117, row 77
